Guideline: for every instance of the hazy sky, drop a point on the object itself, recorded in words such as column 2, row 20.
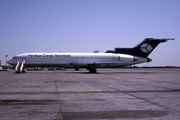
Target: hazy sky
column 89, row 25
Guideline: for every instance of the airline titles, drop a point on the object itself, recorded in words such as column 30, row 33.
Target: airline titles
column 48, row 55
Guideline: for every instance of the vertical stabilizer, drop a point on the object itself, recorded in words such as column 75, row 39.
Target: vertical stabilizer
column 143, row 49
column 148, row 45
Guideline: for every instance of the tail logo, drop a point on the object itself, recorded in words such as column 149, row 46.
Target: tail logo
column 146, row 48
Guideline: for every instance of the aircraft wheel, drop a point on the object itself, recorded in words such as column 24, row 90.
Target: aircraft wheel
column 76, row 69
column 23, row 71
column 18, row 71
column 92, row 70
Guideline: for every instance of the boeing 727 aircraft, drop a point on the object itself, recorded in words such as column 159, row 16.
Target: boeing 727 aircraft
column 116, row 58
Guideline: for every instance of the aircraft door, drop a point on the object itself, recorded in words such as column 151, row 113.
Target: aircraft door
column 20, row 59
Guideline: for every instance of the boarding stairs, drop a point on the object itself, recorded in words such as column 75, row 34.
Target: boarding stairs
column 20, row 67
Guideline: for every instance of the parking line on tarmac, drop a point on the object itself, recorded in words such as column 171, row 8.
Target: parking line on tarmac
column 106, row 79
column 59, row 92
column 133, row 85
column 78, row 92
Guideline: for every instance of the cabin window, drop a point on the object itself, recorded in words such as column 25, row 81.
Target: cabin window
column 14, row 57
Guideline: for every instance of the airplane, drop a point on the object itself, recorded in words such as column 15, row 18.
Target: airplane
column 119, row 57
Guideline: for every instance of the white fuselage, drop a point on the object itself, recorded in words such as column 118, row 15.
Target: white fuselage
column 76, row 60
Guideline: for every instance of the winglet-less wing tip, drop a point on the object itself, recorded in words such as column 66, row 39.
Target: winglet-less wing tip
column 169, row 38
column 161, row 38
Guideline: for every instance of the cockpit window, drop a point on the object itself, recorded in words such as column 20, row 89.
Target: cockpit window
column 14, row 57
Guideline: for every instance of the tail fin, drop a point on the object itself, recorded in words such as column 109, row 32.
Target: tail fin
column 143, row 49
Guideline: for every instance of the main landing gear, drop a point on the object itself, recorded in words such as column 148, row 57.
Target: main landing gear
column 20, row 68
column 92, row 70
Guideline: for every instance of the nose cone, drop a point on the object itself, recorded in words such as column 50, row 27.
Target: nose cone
column 11, row 62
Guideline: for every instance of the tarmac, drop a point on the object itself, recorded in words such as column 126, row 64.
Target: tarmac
column 111, row 94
